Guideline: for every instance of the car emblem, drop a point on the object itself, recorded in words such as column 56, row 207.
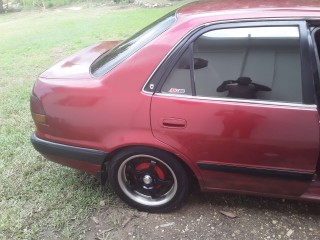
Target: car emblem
column 176, row 90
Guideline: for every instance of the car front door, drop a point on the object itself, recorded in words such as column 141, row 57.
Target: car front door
column 238, row 103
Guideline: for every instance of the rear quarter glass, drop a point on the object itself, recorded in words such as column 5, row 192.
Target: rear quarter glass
column 111, row 59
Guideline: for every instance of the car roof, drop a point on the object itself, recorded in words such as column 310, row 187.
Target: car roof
column 231, row 9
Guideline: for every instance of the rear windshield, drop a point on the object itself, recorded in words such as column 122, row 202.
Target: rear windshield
column 112, row 58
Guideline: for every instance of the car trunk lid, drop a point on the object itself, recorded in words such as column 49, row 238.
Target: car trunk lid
column 78, row 65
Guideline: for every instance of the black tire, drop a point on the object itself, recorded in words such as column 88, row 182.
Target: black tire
column 148, row 179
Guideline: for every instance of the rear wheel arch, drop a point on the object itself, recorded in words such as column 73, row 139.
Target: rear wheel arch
column 162, row 192
column 195, row 178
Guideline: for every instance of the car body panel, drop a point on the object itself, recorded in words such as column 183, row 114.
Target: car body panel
column 77, row 65
column 243, row 135
column 221, row 7
column 113, row 112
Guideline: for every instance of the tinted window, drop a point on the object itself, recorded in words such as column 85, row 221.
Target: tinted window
column 248, row 63
column 110, row 59
column 179, row 80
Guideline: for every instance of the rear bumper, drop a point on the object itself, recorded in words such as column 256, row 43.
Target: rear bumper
column 84, row 159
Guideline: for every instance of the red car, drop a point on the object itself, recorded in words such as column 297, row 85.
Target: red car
column 225, row 92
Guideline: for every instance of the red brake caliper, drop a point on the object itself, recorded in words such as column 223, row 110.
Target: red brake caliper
column 145, row 166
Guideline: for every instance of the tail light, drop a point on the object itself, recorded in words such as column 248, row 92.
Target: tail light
column 37, row 110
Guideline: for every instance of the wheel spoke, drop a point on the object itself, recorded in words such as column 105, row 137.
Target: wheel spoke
column 147, row 180
column 140, row 174
column 165, row 183
column 151, row 167
column 131, row 185
column 153, row 193
column 130, row 169
column 134, row 185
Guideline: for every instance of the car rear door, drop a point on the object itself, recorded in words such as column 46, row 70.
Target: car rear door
column 266, row 142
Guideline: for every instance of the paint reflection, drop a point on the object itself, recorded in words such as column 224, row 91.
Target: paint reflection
column 238, row 123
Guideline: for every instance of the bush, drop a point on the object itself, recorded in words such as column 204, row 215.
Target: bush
column 58, row 3
column 49, row 3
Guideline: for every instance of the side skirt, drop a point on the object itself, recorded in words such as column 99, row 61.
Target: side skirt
column 266, row 172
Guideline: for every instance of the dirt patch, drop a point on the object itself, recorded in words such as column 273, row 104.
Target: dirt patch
column 210, row 216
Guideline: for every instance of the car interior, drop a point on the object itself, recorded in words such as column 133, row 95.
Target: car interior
column 270, row 61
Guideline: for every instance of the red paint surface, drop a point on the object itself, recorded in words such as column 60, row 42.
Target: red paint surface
column 80, row 165
column 234, row 6
column 247, row 135
column 111, row 112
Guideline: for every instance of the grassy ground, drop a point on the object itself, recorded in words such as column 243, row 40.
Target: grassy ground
column 37, row 196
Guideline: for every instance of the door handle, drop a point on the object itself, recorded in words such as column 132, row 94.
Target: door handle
column 174, row 123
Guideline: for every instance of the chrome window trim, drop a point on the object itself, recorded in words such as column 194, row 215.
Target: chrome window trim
column 245, row 20
column 236, row 100
column 173, row 49
column 165, row 58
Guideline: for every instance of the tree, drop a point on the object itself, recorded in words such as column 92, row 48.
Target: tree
column 38, row 3
column 1, row 7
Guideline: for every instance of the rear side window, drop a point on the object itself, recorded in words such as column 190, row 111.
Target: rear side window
column 112, row 58
column 179, row 80
column 246, row 63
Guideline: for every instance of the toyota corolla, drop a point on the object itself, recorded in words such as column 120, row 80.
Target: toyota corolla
column 223, row 92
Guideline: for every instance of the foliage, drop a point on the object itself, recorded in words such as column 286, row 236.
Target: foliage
column 1, row 6
column 58, row 3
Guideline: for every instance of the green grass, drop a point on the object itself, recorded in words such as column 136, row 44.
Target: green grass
column 38, row 197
